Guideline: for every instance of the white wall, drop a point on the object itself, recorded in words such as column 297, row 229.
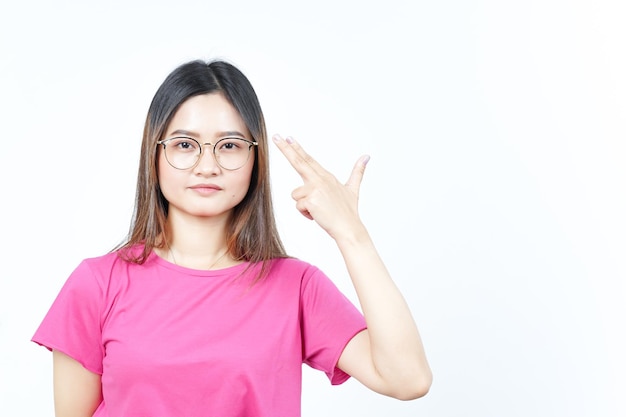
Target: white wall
column 496, row 189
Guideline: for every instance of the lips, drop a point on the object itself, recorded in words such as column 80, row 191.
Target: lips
column 205, row 188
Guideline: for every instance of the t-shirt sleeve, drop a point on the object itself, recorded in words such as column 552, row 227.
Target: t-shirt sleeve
column 329, row 321
column 73, row 323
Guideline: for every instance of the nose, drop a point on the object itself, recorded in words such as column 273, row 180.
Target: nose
column 207, row 165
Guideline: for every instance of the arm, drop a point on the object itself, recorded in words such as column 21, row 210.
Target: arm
column 77, row 391
column 388, row 357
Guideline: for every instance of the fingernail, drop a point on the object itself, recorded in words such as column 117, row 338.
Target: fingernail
column 366, row 159
column 289, row 139
column 276, row 138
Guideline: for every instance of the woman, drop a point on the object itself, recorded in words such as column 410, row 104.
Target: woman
column 201, row 312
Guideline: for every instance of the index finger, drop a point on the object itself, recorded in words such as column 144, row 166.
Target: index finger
column 301, row 161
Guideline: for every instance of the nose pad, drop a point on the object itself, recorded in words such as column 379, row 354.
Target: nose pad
column 208, row 160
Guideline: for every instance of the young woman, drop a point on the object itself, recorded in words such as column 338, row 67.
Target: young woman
column 201, row 312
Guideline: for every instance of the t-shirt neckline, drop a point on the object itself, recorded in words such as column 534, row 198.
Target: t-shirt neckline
column 229, row 270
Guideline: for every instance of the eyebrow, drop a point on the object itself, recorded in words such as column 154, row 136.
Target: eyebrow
column 195, row 134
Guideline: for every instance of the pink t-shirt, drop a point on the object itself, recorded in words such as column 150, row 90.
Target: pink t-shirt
column 176, row 342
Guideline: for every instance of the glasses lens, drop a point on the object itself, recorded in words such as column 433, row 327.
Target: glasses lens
column 232, row 153
column 182, row 153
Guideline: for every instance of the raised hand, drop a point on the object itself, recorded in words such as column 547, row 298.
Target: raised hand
column 333, row 205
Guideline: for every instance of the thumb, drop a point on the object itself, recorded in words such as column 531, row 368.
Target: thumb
column 356, row 176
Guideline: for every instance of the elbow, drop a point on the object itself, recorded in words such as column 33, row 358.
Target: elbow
column 414, row 392
column 414, row 388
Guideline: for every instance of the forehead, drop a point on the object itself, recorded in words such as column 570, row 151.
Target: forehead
column 207, row 115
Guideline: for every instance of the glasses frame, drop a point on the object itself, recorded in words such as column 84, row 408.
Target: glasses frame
column 201, row 146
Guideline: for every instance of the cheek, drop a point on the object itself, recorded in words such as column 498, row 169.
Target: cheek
column 167, row 177
column 243, row 183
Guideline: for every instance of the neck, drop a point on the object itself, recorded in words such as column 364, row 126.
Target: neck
column 198, row 243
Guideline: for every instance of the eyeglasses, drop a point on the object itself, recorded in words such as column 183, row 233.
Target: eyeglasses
column 183, row 152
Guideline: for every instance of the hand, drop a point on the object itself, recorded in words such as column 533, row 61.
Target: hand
column 334, row 206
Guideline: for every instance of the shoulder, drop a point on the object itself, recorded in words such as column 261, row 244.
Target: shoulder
column 292, row 267
column 106, row 262
column 99, row 270
column 308, row 275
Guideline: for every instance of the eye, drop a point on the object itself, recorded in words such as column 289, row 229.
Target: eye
column 183, row 144
column 231, row 145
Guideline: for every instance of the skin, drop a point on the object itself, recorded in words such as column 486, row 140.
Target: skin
column 77, row 391
column 388, row 357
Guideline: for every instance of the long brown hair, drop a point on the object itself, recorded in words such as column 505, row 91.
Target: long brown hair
column 252, row 232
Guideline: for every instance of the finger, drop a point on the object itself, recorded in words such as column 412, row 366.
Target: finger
column 356, row 176
column 300, row 192
column 302, row 162
column 308, row 159
column 300, row 205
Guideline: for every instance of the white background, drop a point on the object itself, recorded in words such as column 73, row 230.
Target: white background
column 495, row 191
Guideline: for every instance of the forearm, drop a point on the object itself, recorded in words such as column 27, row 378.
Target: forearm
column 396, row 348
